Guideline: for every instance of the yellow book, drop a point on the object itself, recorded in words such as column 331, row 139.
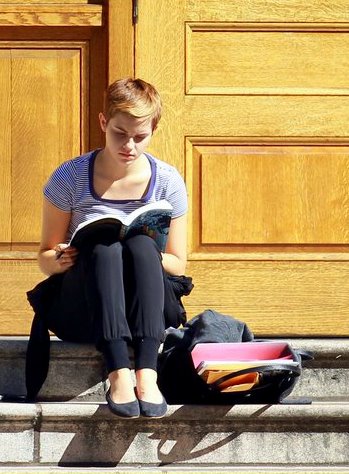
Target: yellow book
column 237, row 383
column 230, row 366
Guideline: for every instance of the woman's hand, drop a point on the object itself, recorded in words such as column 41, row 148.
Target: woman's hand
column 65, row 256
column 55, row 257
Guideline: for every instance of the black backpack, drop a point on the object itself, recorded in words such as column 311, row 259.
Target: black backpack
column 180, row 383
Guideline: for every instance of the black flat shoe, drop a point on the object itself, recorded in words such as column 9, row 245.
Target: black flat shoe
column 124, row 410
column 153, row 410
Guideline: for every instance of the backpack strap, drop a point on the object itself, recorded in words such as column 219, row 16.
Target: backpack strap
column 295, row 371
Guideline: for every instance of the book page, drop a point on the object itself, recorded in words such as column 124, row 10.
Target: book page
column 152, row 219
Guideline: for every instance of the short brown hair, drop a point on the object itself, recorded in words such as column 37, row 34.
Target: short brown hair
column 134, row 97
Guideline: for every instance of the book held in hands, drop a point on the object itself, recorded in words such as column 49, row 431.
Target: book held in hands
column 152, row 219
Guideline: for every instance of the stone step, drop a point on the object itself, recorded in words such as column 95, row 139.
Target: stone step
column 80, row 434
column 175, row 470
column 77, row 370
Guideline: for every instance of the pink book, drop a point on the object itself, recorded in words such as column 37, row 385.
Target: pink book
column 218, row 352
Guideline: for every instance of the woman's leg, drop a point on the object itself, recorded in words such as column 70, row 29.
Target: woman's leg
column 69, row 316
column 106, row 296
column 91, row 308
column 144, row 290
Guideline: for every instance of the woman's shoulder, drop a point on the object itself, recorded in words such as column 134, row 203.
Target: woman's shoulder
column 79, row 161
column 74, row 166
column 163, row 168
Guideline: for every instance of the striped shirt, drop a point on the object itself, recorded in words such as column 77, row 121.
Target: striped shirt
column 70, row 188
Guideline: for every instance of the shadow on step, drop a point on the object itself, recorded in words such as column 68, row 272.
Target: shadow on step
column 108, row 443
column 89, row 435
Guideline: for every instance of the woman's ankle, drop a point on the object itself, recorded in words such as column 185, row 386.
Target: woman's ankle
column 121, row 386
column 147, row 388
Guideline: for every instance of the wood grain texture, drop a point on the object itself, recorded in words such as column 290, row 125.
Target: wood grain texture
column 46, row 101
column 5, row 146
column 16, row 278
column 213, row 92
column 94, row 88
column 193, row 184
column 282, row 290
column 50, row 15
column 46, row 128
column 268, row 10
column 223, row 208
column 275, row 298
column 53, row 2
column 120, row 40
column 268, row 253
column 274, row 116
column 159, row 60
column 48, row 34
column 254, row 62
column 275, row 195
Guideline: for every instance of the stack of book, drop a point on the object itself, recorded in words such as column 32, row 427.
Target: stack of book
column 236, row 367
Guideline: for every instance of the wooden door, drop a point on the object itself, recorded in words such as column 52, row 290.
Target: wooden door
column 53, row 69
column 257, row 120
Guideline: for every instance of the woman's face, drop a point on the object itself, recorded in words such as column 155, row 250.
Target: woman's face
column 126, row 137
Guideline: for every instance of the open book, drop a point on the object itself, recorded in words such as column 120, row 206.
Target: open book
column 152, row 219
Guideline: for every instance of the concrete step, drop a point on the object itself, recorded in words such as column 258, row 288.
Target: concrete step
column 194, row 470
column 175, row 470
column 80, row 434
column 71, row 428
column 77, row 370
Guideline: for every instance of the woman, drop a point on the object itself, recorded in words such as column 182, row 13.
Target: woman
column 113, row 293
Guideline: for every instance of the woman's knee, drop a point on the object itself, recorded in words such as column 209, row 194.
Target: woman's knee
column 107, row 253
column 142, row 247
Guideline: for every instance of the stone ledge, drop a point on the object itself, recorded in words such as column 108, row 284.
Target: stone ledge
column 168, row 469
column 246, row 415
column 329, row 350
column 77, row 370
column 81, row 434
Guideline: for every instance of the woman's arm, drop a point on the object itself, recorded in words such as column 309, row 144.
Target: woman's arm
column 174, row 260
column 55, row 256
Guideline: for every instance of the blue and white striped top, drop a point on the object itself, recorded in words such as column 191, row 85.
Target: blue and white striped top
column 70, row 188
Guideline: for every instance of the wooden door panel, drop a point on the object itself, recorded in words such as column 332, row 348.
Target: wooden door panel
column 44, row 104
column 17, row 275
column 266, row 116
column 159, row 54
column 274, row 195
column 46, row 118
column 300, row 11
column 240, row 59
column 256, row 117
column 41, row 14
column 275, row 297
column 5, row 147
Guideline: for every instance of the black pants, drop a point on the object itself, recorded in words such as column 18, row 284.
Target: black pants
column 114, row 296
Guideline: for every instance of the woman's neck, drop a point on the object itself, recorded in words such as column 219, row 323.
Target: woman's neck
column 110, row 167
